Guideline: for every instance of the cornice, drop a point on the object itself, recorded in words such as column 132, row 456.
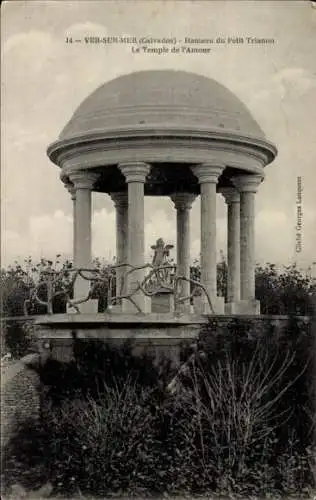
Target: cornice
column 189, row 152
column 165, row 130
column 108, row 139
column 241, row 160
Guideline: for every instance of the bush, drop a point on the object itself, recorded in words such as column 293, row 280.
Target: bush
column 288, row 291
column 99, row 446
column 19, row 337
column 285, row 291
column 238, row 424
column 18, row 283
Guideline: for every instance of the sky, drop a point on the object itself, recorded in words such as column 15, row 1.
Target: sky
column 44, row 79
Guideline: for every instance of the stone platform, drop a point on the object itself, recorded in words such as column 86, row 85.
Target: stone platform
column 120, row 326
column 160, row 332
column 164, row 332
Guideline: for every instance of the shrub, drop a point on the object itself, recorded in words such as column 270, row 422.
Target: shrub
column 237, row 425
column 19, row 337
column 127, row 441
column 285, row 291
column 99, row 446
column 252, row 396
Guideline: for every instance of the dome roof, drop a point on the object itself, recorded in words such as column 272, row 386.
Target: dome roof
column 161, row 98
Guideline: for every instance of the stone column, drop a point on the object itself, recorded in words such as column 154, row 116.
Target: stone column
column 247, row 186
column 135, row 174
column 208, row 175
column 71, row 189
column 83, row 183
column 121, row 206
column 183, row 203
column 232, row 199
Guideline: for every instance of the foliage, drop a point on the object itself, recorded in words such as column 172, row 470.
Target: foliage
column 285, row 291
column 18, row 282
column 96, row 361
column 107, row 275
column 237, row 425
column 252, row 401
column 288, row 291
column 19, row 338
column 195, row 274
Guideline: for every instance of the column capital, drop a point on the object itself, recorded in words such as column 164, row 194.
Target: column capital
column 83, row 179
column 71, row 189
column 230, row 194
column 208, row 172
column 135, row 171
column 120, row 199
column 183, row 201
column 247, row 183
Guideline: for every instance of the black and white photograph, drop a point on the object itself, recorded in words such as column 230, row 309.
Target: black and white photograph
column 158, row 262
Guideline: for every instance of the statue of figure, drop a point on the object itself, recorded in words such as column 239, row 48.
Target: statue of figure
column 161, row 253
column 162, row 277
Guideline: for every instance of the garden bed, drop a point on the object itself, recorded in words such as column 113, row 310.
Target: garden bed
column 238, row 422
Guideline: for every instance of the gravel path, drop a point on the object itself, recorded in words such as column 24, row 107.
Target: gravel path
column 19, row 397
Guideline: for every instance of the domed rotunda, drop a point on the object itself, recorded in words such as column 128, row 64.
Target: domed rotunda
column 168, row 133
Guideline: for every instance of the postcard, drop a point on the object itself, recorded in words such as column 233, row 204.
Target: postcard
column 158, row 181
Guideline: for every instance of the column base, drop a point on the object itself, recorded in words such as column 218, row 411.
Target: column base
column 243, row 307
column 89, row 307
column 201, row 305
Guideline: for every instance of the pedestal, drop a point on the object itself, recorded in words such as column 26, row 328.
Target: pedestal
column 162, row 302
